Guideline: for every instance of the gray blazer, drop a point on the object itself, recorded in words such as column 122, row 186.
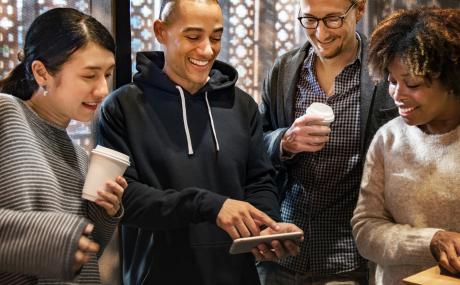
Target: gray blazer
column 278, row 99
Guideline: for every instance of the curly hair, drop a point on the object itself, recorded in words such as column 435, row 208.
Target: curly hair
column 426, row 39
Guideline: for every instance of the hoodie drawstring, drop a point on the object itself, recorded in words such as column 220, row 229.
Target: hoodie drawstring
column 184, row 118
column 212, row 121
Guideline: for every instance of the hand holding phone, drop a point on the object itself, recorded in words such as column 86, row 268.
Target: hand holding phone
column 243, row 245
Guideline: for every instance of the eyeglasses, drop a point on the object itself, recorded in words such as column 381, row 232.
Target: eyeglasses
column 332, row 22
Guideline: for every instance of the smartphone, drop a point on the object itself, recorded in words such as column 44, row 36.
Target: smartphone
column 242, row 245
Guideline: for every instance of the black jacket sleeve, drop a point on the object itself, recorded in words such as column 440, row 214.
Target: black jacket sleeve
column 260, row 190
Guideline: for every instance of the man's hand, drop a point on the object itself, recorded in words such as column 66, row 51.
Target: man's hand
column 305, row 135
column 277, row 249
column 86, row 248
column 445, row 247
column 241, row 219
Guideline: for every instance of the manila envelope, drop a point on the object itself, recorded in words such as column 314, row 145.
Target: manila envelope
column 432, row 276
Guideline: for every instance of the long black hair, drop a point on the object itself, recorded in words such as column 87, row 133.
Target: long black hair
column 52, row 38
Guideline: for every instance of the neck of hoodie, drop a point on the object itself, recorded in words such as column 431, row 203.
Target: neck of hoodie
column 150, row 65
column 220, row 82
column 192, row 89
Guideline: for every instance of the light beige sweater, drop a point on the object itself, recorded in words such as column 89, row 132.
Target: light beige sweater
column 409, row 191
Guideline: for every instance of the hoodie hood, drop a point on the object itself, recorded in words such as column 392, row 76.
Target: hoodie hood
column 149, row 66
column 150, row 75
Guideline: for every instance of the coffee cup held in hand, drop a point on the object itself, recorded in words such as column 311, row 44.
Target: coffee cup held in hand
column 321, row 110
column 105, row 164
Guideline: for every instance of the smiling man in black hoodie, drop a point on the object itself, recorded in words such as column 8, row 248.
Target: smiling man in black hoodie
column 199, row 175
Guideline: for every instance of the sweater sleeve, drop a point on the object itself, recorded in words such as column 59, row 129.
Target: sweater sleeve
column 260, row 189
column 104, row 225
column 378, row 237
column 146, row 206
column 41, row 244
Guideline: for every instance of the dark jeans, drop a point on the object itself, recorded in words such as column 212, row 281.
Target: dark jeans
column 271, row 273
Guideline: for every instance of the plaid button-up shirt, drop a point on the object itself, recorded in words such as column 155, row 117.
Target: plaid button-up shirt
column 323, row 186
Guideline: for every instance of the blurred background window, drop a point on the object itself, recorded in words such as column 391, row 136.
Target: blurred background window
column 255, row 33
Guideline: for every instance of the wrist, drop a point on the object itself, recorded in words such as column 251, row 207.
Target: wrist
column 284, row 153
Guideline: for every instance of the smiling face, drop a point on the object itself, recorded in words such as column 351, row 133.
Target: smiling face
column 428, row 105
column 330, row 43
column 191, row 41
column 77, row 89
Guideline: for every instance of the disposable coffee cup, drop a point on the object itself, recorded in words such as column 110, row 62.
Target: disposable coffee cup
column 321, row 110
column 105, row 164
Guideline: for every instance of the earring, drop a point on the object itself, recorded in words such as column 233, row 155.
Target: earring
column 45, row 92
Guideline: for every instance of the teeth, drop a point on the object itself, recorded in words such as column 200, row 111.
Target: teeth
column 199, row 62
column 91, row 104
column 406, row 110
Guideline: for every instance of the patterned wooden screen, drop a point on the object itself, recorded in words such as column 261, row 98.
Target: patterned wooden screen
column 256, row 32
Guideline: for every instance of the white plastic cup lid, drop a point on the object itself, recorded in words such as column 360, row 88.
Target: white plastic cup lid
column 111, row 154
column 322, row 110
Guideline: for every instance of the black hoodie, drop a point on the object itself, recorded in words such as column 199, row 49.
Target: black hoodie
column 186, row 159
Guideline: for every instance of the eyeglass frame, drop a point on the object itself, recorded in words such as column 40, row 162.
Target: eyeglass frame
column 342, row 18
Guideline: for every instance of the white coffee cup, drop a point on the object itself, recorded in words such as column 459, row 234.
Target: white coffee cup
column 321, row 110
column 105, row 164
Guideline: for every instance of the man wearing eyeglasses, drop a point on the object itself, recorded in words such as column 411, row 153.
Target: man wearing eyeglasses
column 320, row 167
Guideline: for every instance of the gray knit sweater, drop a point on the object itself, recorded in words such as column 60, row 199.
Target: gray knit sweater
column 410, row 190
column 42, row 214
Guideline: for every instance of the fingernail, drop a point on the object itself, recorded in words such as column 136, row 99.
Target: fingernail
column 90, row 227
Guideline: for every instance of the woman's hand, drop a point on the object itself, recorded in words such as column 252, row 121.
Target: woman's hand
column 110, row 197
column 445, row 247
column 86, row 248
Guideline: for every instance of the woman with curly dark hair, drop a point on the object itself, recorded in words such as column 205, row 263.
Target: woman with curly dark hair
column 406, row 218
